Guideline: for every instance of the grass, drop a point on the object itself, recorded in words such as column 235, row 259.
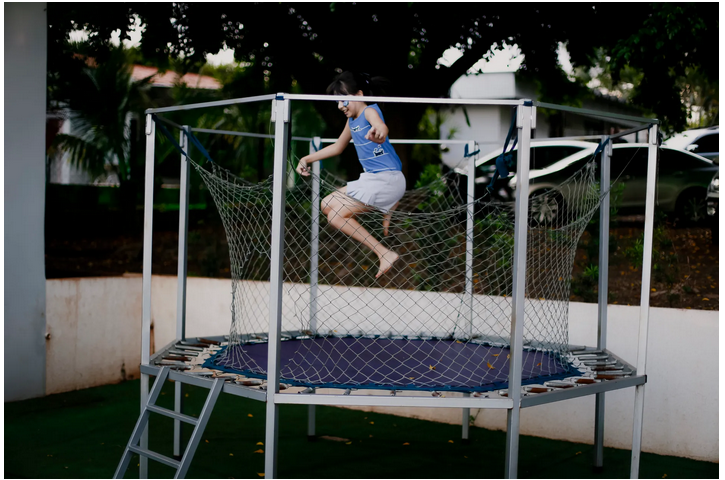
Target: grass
column 82, row 434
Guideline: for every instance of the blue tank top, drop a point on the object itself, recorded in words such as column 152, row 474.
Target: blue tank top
column 374, row 157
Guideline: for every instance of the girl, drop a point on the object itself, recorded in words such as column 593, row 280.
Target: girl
column 382, row 184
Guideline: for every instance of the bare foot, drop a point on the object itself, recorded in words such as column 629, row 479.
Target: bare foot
column 386, row 223
column 387, row 261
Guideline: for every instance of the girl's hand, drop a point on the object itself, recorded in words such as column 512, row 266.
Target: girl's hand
column 302, row 168
column 375, row 135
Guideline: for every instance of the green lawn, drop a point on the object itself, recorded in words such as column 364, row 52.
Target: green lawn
column 82, row 435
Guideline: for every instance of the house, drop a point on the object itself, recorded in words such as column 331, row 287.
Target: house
column 489, row 125
column 60, row 170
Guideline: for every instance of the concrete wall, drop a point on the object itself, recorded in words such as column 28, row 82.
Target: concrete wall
column 25, row 81
column 95, row 325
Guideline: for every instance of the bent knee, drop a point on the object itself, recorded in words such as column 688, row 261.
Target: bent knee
column 334, row 213
column 328, row 204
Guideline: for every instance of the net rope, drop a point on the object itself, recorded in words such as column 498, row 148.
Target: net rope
column 416, row 327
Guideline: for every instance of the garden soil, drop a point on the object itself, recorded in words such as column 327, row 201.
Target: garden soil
column 685, row 273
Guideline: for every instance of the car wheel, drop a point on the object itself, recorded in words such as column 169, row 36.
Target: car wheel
column 691, row 206
column 546, row 208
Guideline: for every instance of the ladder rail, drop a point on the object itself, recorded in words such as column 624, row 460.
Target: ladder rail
column 199, row 429
column 141, row 423
column 200, row 423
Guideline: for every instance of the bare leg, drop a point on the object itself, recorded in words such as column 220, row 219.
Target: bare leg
column 386, row 219
column 340, row 211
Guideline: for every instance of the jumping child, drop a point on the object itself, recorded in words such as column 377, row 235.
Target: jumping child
column 381, row 185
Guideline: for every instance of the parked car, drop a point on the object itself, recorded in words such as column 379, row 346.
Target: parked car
column 543, row 154
column 682, row 180
column 702, row 141
column 713, row 207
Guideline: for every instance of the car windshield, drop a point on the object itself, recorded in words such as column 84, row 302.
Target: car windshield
column 706, row 143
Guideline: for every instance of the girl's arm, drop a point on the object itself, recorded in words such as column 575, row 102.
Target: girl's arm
column 378, row 129
column 327, row 152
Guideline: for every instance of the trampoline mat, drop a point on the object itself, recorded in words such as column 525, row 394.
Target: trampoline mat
column 398, row 364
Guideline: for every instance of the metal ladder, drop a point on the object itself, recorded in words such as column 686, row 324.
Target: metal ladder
column 199, row 424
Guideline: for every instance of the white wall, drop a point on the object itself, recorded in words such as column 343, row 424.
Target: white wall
column 25, row 80
column 95, row 325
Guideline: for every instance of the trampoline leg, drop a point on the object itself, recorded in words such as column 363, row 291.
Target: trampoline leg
column 465, row 422
column 637, row 430
column 311, row 432
column 599, row 432
column 512, row 442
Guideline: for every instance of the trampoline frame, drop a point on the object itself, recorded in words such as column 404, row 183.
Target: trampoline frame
column 515, row 399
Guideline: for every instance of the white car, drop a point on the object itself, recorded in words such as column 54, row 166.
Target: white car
column 544, row 153
column 702, row 141
column 682, row 177
column 682, row 180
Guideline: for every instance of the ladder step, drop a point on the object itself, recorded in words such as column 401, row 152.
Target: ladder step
column 170, row 413
column 155, row 456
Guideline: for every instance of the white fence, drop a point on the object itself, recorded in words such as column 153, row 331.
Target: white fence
column 95, row 339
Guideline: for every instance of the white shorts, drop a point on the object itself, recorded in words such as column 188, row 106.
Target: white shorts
column 382, row 190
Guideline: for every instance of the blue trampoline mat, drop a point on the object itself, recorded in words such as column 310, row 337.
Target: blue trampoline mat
column 384, row 363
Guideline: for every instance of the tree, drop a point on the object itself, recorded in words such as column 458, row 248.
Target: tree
column 665, row 42
column 99, row 99
column 310, row 42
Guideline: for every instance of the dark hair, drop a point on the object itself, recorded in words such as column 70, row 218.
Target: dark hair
column 349, row 83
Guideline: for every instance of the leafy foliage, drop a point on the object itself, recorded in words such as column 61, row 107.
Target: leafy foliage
column 662, row 50
column 667, row 41
column 309, row 42
column 99, row 98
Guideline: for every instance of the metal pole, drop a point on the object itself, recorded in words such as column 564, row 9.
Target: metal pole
column 524, row 123
column 181, row 278
column 387, row 100
column 470, row 199
column 644, row 301
column 314, row 236
column 146, row 282
column 465, row 422
column 280, row 109
column 603, row 294
column 218, row 103
column 315, row 145
column 311, row 417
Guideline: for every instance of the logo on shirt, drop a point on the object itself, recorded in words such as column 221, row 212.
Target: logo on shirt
column 378, row 151
column 356, row 128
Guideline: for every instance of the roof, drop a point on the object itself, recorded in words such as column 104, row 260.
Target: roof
column 169, row 78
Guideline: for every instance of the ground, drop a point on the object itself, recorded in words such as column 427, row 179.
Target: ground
column 82, row 434
column 685, row 270
column 685, row 267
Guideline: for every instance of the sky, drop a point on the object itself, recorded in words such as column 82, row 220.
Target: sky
column 506, row 59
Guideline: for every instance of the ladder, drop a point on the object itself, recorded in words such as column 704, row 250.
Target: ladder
column 199, row 424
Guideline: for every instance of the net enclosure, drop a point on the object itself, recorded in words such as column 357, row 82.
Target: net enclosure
column 438, row 320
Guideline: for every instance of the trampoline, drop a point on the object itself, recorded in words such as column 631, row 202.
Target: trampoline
column 478, row 306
